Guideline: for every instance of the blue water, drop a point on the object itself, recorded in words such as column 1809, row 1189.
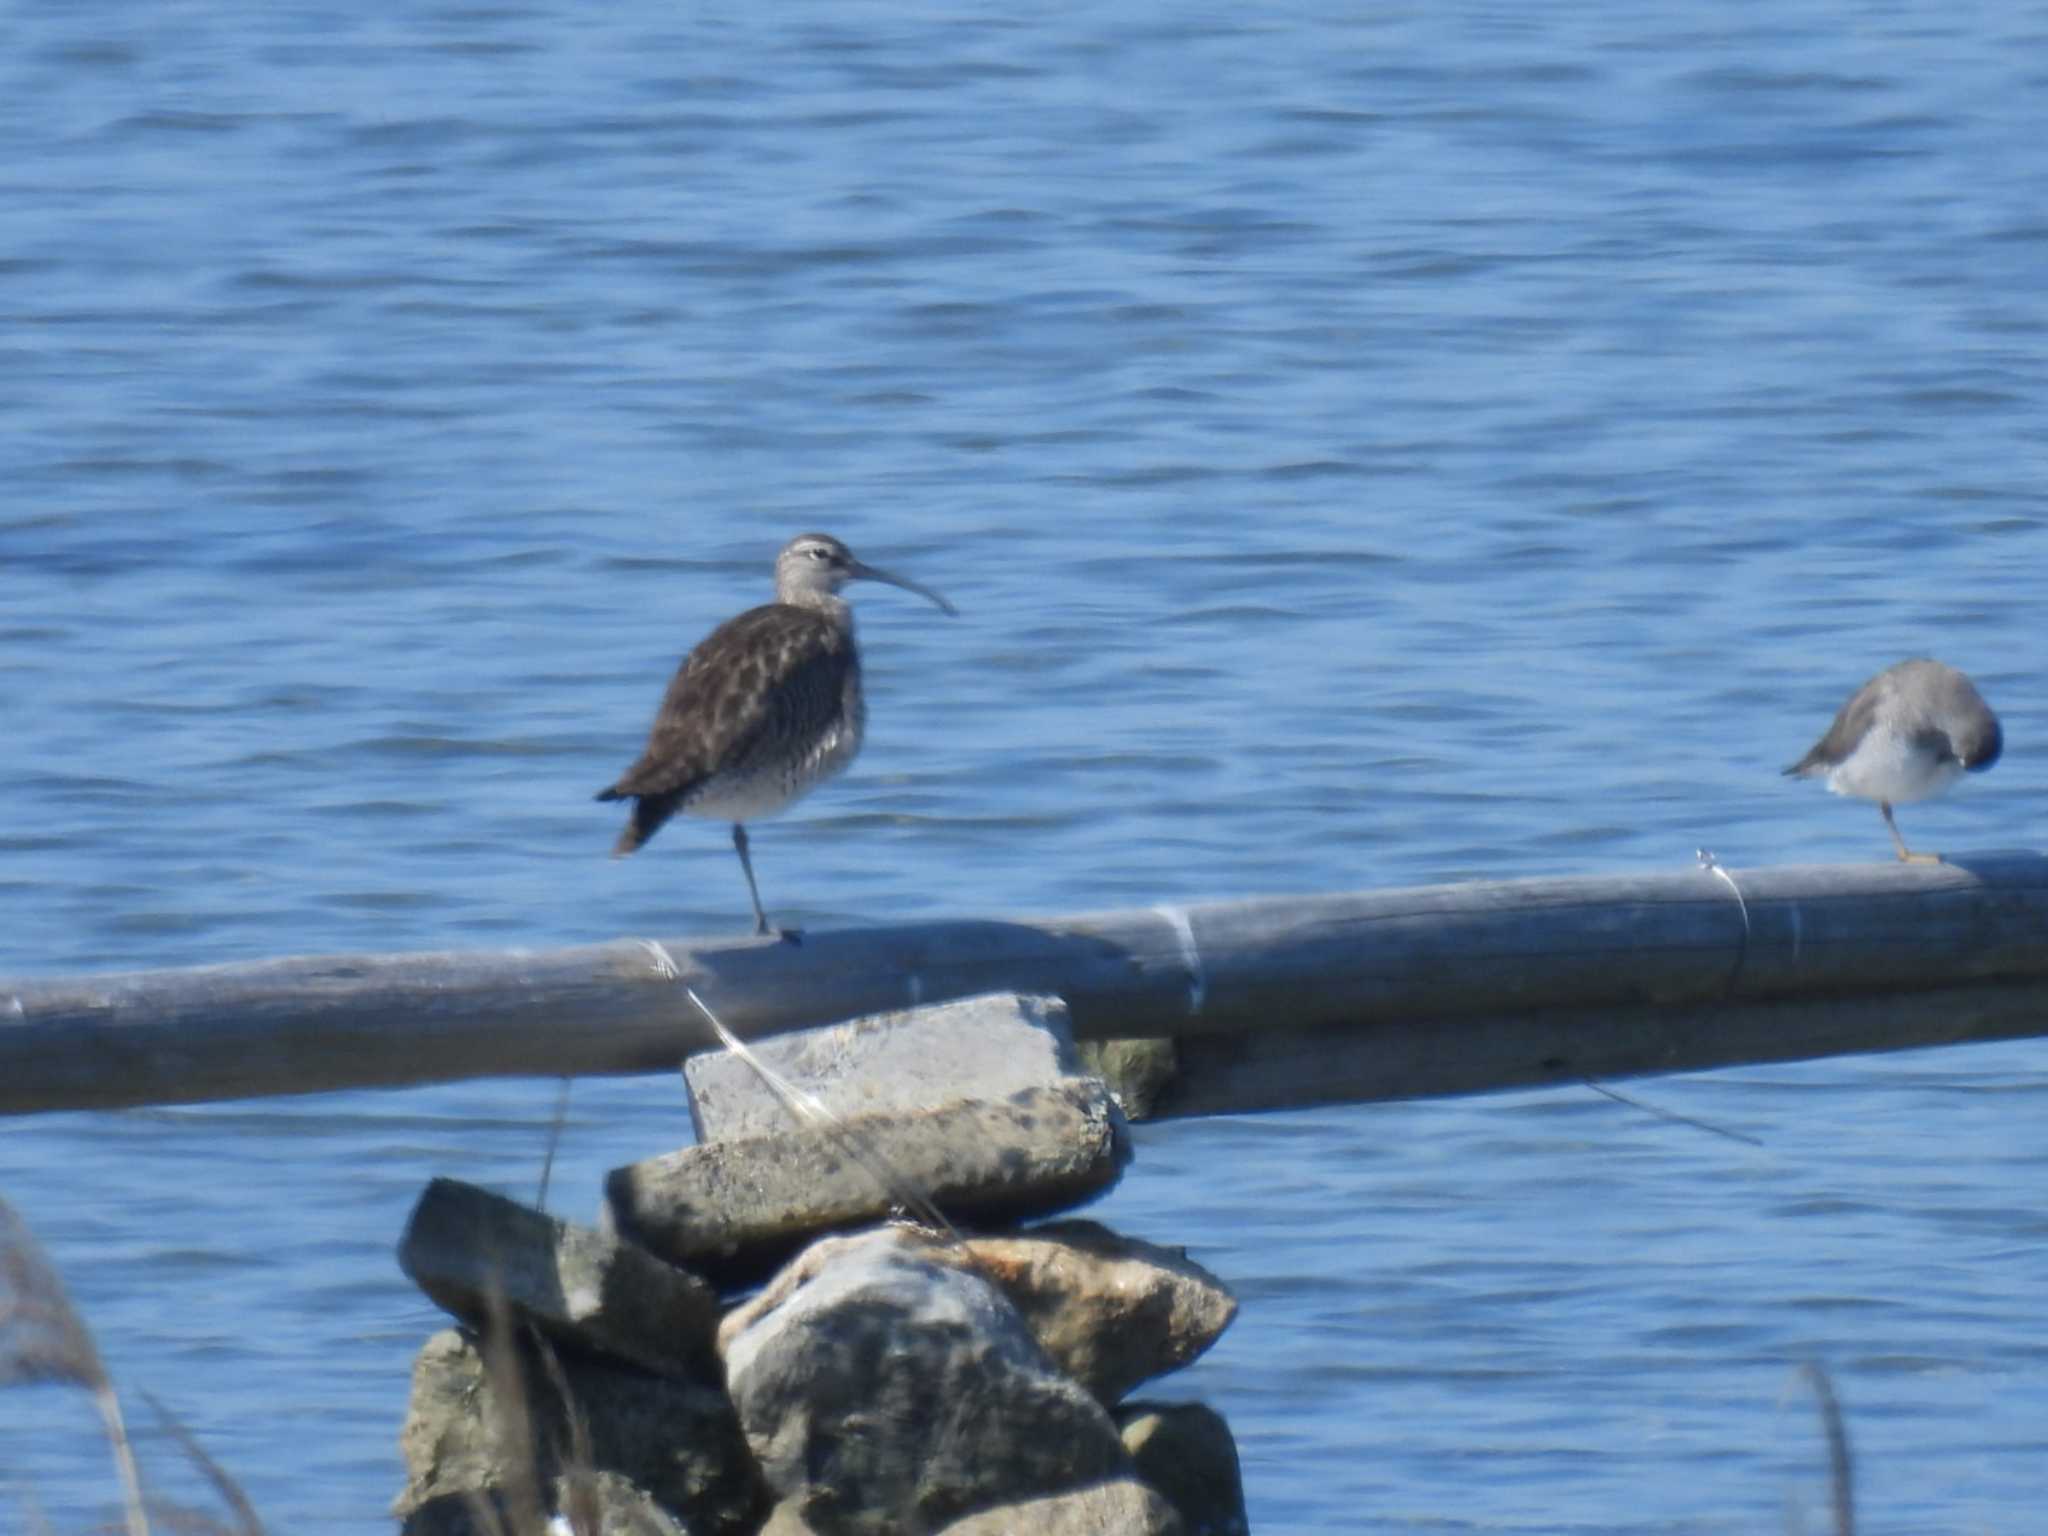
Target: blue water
column 1369, row 446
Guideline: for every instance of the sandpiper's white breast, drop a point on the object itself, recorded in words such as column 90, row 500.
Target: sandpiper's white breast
column 1894, row 766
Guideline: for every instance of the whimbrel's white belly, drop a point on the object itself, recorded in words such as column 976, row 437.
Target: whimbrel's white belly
column 749, row 799
column 773, row 782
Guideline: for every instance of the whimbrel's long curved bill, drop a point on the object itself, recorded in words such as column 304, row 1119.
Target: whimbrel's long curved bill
column 865, row 572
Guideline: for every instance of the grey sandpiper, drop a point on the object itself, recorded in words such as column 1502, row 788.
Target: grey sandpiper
column 1906, row 735
column 765, row 708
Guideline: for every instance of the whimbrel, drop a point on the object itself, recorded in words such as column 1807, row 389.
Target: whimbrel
column 766, row 707
column 1906, row 735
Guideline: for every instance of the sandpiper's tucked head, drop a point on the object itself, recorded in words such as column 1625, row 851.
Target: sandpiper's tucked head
column 816, row 565
column 1964, row 726
column 1978, row 745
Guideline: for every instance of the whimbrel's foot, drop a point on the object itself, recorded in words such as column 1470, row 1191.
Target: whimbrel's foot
column 1909, row 856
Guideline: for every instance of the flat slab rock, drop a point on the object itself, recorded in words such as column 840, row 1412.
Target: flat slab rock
column 986, row 1047
column 882, row 1393
column 471, row 1250
column 733, row 1210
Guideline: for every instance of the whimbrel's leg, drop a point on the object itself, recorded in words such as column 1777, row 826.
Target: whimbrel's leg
column 1906, row 855
column 739, row 841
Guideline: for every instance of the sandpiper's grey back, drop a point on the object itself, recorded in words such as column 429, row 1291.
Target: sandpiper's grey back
column 768, row 706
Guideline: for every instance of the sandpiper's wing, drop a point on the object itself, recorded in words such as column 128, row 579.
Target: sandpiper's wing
column 773, row 676
column 1852, row 723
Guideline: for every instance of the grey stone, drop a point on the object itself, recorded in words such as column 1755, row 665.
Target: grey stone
column 788, row 1520
column 606, row 1504
column 459, row 1514
column 1139, row 1072
column 985, row 1047
column 476, row 1431
column 1185, row 1450
column 734, row 1209
column 468, row 1249
column 1112, row 1311
column 1123, row 1507
column 885, row 1393
column 588, row 1503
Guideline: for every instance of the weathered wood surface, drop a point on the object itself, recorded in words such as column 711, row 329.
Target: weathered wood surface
column 1291, row 1069
column 1437, row 989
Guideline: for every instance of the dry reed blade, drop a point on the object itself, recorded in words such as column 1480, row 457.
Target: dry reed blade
column 1841, row 1470
column 225, row 1488
column 43, row 1339
column 578, row 1460
column 498, row 1345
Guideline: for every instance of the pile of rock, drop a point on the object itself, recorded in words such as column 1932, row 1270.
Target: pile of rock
column 887, row 1378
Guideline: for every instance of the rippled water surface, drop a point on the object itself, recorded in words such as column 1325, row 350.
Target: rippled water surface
column 1368, row 446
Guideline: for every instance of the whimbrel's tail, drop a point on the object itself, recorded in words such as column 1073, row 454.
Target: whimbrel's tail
column 649, row 812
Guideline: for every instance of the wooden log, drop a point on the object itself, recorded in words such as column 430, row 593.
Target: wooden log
column 1295, row 1069
column 1387, row 965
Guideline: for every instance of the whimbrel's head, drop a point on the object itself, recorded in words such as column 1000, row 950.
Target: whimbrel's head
column 814, row 566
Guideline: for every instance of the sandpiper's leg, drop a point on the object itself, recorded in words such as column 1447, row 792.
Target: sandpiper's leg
column 739, row 841
column 1906, row 855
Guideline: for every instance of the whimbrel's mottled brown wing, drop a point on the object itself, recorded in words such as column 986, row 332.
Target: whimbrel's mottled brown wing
column 1852, row 722
column 753, row 681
